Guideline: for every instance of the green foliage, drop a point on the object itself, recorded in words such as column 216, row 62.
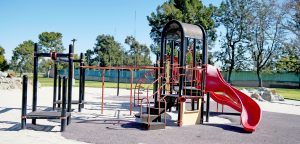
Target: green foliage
column 138, row 54
column 188, row 11
column 51, row 41
column 3, row 63
column 89, row 54
column 46, row 64
column 108, row 51
column 189, row 58
column 22, row 59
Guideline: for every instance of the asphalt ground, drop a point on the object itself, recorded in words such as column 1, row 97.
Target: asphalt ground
column 274, row 128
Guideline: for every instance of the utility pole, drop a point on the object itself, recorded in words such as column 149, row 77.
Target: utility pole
column 73, row 40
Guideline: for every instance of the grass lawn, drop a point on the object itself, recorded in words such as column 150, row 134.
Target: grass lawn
column 293, row 94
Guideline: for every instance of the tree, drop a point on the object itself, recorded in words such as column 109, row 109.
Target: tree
column 3, row 63
column 188, row 11
column 89, row 57
column 235, row 16
column 291, row 53
column 108, row 51
column 266, row 35
column 139, row 52
column 51, row 41
column 22, row 59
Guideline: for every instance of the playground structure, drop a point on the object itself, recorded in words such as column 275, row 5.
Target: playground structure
column 67, row 88
column 181, row 79
column 57, row 88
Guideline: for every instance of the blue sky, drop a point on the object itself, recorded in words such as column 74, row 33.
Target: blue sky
column 81, row 19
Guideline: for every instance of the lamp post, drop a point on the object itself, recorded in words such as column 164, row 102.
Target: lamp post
column 73, row 40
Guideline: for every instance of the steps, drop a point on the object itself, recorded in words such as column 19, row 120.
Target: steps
column 153, row 125
column 155, row 119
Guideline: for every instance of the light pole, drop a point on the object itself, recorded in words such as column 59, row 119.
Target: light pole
column 73, row 40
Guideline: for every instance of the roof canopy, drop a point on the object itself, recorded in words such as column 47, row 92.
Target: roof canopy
column 174, row 29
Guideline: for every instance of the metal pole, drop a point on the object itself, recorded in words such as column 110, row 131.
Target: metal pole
column 207, row 106
column 24, row 102
column 63, row 109
column 194, row 71
column 59, row 89
column 131, row 81
column 80, row 83
column 181, row 78
column 54, row 86
column 35, row 79
column 204, row 62
column 118, row 87
column 70, row 78
column 172, row 64
column 83, row 85
column 155, row 87
column 102, row 98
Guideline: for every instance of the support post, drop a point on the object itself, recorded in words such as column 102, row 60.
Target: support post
column 70, row 77
column 118, row 87
column 194, row 71
column 207, row 106
column 63, row 109
column 172, row 64
column 59, row 90
column 155, row 87
column 203, row 66
column 102, row 98
column 24, row 102
column 54, row 85
column 83, row 85
column 35, row 79
column 80, row 83
column 182, row 63
column 131, row 81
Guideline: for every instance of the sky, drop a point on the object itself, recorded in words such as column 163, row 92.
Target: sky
column 84, row 20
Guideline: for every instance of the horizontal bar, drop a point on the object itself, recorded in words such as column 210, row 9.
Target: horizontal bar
column 48, row 55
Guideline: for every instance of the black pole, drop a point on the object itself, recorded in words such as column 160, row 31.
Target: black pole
column 155, row 87
column 80, row 82
column 194, row 72
column 118, row 88
column 59, row 89
column 24, row 102
column 172, row 63
column 54, row 85
column 207, row 106
column 63, row 109
column 83, row 85
column 35, row 79
column 70, row 78
column 204, row 62
column 182, row 63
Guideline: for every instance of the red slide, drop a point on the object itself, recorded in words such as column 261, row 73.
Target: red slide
column 249, row 109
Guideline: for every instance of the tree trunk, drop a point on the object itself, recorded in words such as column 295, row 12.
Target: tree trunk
column 259, row 78
column 229, row 76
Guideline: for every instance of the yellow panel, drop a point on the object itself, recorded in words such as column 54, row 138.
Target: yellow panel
column 191, row 117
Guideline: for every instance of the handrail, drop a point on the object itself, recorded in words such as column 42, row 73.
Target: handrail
column 138, row 84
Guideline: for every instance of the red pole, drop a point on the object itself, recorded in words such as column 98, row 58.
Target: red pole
column 102, row 103
column 131, row 80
